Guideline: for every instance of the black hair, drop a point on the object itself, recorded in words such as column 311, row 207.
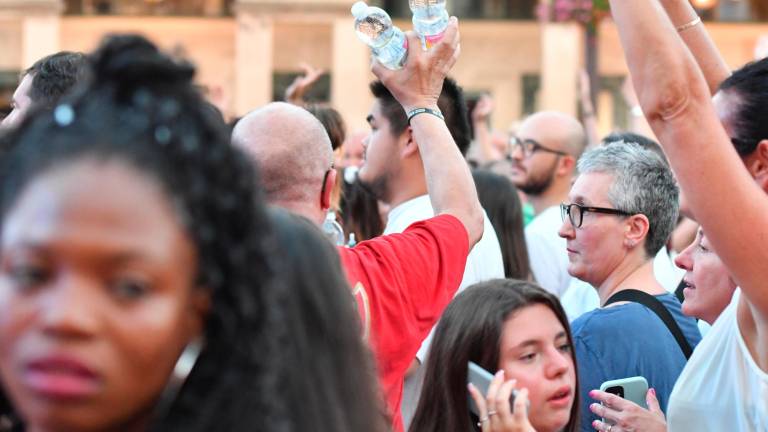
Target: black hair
column 470, row 329
column 326, row 370
column 750, row 84
column 499, row 198
column 359, row 210
column 641, row 140
column 141, row 110
column 451, row 104
column 55, row 75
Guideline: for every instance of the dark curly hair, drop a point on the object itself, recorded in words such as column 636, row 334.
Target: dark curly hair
column 141, row 109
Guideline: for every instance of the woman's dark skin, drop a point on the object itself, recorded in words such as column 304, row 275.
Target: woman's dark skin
column 99, row 298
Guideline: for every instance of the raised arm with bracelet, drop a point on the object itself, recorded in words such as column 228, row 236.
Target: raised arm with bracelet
column 418, row 85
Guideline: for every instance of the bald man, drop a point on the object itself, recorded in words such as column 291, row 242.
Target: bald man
column 294, row 155
column 544, row 154
column 401, row 282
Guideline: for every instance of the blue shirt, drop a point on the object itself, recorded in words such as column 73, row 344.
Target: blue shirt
column 629, row 340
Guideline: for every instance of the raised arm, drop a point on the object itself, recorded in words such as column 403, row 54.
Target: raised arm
column 418, row 85
column 675, row 97
column 481, row 124
column 695, row 36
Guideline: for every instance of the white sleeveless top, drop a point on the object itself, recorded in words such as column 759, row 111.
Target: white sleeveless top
column 721, row 387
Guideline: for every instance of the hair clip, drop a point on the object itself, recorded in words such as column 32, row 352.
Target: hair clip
column 162, row 134
column 64, row 115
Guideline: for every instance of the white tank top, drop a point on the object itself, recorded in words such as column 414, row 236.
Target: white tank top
column 721, row 387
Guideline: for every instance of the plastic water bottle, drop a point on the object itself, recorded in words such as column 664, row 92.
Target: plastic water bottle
column 374, row 27
column 429, row 20
column 333, row 230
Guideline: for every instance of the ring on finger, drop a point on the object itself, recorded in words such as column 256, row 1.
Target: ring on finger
column 482, row 420
column 491, row 413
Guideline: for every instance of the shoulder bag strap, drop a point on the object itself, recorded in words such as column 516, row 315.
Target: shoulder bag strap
column 658, row 308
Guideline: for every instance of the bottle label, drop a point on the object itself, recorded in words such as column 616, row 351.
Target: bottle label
column 432, row 40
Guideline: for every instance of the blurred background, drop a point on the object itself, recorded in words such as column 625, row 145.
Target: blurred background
column 527, row 54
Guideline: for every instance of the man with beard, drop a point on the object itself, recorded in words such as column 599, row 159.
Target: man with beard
column 394, row 172
column 544, row 154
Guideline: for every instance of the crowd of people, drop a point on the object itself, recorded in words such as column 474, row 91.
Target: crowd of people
column 161, row 269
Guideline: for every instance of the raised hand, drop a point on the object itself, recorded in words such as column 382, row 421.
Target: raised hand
column 496, row 413
column 419, row 83
column 295, row 92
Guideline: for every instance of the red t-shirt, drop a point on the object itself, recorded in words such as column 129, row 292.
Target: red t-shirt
column 402, row 283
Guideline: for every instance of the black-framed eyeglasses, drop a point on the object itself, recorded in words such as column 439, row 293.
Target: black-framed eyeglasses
column 529, row 146
column 575, row 212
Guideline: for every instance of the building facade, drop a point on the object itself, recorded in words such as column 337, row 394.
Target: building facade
column 248, row 51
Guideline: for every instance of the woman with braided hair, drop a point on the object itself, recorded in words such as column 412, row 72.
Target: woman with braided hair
column 141, row 285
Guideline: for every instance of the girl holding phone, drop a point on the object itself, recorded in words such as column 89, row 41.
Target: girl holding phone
column 515, row 328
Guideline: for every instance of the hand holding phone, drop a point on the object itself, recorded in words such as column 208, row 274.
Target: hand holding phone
column 493, row 411
column 481, row 379
column 632, row 389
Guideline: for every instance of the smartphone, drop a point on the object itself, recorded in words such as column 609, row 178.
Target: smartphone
column 481, row 379
column 632, row 389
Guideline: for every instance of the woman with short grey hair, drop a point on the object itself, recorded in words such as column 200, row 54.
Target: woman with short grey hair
column 622, row 208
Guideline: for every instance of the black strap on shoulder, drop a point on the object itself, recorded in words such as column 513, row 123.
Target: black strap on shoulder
column 658, row 308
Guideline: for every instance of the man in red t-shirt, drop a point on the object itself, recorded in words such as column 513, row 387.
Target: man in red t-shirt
column 401, row 282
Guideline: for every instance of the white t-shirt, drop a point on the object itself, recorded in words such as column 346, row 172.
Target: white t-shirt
column 546, row 251
column 483, row 263
column 721, row 387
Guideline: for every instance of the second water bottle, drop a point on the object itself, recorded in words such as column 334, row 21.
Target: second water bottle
column 429, row 20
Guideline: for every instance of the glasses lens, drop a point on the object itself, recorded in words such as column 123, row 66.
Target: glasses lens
column 576, row 215
column 514, row 144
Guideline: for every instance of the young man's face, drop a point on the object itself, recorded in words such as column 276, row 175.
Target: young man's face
column 20, row 103
column 380, row 160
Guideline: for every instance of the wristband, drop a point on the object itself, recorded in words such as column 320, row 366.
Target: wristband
column 414, row 112
column 691, row 24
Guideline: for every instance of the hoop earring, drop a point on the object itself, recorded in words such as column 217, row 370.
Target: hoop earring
column 181, row 370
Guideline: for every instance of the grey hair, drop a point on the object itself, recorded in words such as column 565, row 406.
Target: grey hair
column 643, row 184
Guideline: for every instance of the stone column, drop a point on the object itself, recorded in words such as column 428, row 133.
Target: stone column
column 40, row 27
column 257, row 20
column 253, row 56
column 562, row 52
